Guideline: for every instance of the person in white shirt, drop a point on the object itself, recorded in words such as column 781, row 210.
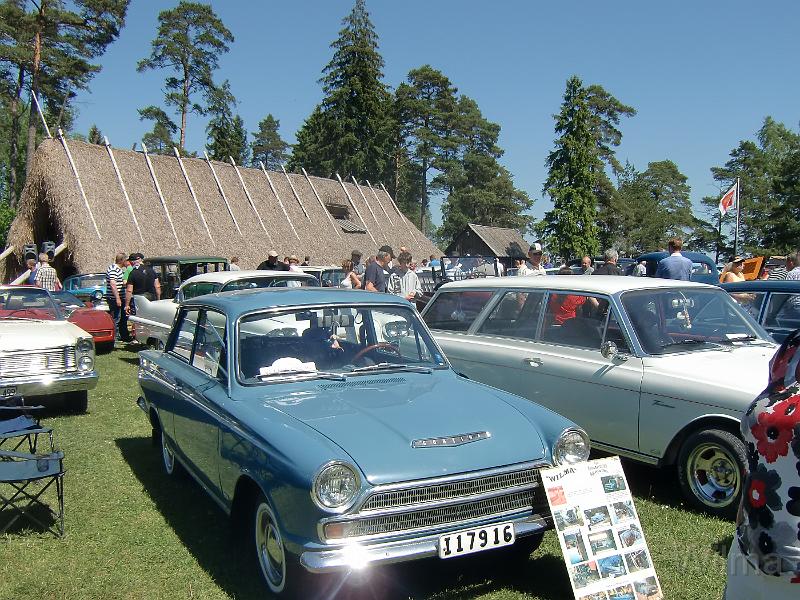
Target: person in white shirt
column 404, row 281
column 534, row 264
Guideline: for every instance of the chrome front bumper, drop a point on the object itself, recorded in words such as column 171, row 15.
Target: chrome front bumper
column 365, row 554
column 50, row 385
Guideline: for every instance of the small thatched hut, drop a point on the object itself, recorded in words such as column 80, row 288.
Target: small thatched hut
column 501, row 242
column 211, row 210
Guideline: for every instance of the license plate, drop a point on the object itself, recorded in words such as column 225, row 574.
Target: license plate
column 476, row 540
column 8, row 391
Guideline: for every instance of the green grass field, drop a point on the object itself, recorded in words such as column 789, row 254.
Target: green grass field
column 133, row 533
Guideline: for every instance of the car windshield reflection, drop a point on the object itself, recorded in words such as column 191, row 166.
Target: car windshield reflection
column 28, row 303
column 331, row 342
column 686, row 320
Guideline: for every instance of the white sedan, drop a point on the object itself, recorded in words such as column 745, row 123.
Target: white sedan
column 153, row 319
column 656, row 370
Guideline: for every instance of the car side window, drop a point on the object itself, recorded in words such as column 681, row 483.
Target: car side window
column 199, row 289
column 183, row 338
column 751, row 302
column 614, row 333
column 210, row 347
column 456, row 311
column 516, row 315
column 783, row 311
column 574, row 319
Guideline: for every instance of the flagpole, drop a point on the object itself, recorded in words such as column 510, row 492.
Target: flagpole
column 738, row 212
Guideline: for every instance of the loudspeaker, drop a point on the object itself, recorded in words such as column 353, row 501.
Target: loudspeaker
column 50, row 248
column 30, row 251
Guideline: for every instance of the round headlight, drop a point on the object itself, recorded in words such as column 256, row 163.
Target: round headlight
column 85, row 345
column 85, row 362
column 335, row 486
column 572, row 447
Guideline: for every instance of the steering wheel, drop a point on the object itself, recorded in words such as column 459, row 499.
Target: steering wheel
column 378, row 346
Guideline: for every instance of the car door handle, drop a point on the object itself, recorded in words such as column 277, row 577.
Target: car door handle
column 532, row 362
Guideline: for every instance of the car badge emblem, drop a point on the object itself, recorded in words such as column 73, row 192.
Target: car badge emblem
column 451, row 440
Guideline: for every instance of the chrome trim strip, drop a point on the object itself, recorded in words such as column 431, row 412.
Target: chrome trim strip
column 645, row 458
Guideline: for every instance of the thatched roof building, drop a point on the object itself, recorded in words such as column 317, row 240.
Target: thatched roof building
column 501, row 242
column 211, row 210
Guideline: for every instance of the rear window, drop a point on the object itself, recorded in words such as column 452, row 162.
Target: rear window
column 456, row 311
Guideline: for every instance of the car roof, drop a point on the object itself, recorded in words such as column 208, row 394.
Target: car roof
column 226, row 276
column 764, row 285
column 239, row 302
column 693, row 256
column 602, row 284
column 320, row 267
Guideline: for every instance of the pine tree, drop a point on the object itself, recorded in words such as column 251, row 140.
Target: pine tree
column 189, row 42
column 350, row 132
column 571, row 180
column 227, row 136
column 268, row 147
column 161, row 139
column 95, row 136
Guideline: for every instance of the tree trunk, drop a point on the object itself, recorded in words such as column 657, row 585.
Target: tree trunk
column 13, row 154
column 37, row 59
column 424, row 202
column 185, row 105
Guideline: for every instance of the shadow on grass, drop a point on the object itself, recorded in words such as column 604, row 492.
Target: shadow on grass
column 132, row 360
column 206, row 532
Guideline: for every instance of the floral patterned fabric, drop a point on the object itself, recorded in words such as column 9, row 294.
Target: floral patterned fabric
column 769, row 535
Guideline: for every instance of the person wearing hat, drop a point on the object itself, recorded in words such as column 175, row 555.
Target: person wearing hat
column 534, row 264
column 388, row 267
column 676, row 265
column 142, row 281
column 733, row 271
column 358, row 266
column 272, row 263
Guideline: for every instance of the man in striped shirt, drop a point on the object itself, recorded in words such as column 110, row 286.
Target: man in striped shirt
column 46, row 276
column 115, row 296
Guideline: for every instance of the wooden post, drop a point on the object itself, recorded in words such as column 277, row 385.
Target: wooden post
column 6, row 252
column 402, row 217
column 249, row 198
column 356, row 209
column 122, row 185
column 294, row 191
column 160, row 195
column 78, row 179
column 327, row 212
column 364, row 198
column 194, row 197
column 222, row 192
column 379, row 202
column 275, row 192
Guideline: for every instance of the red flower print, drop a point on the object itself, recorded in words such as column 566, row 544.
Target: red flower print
column 756, row 495
column 775, row 430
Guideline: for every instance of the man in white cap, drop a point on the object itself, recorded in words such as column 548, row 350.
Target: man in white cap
column 534, row 264
column 272, row 263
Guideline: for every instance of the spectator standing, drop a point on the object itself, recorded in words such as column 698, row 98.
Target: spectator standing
column 33, row 266
column 294, row 264
column 235, row 264
column 534, row 264
column 676, row 265
column 115, row 296
column 351, row 280
column 780, row 272
column 272, row 263
column 374, row 279
column 640, row 270
column 404, row 281
column 609, row 267
column 586, row 265
column 358, row 266
column 46, row 276
column 733, row 271
column 142, row 281
column 792, row 308
column 390, row 265
column 434, row 262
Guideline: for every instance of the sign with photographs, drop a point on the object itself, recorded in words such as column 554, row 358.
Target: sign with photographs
column 599, row 532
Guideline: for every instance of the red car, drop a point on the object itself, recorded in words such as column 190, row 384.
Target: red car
column 96, row 322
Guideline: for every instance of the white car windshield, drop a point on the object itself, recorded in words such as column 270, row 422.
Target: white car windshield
column 688, row 319
column 333, row 342
column 28, row 303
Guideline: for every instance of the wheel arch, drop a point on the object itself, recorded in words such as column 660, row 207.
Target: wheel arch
column 719, row 421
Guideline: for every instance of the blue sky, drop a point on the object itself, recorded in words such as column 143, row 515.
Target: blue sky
column 702, row 75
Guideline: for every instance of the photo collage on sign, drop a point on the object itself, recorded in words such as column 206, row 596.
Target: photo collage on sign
column 602, row 540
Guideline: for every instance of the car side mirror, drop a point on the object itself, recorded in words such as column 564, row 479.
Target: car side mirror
column 610, row 351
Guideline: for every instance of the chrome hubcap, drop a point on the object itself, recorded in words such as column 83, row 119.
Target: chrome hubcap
column 167, row 455
column 269, row 546
column 713, row 475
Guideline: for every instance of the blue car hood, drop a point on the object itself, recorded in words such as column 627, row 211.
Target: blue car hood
column 376, row 419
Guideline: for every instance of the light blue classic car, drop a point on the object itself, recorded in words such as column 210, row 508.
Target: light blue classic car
column 331, row 424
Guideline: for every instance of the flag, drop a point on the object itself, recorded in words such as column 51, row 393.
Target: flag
column 730, row 200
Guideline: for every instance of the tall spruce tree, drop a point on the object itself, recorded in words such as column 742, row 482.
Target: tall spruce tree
column 161, row 139
column 572, row 168
column 189, row 42
column 268, row 147
column 351, row 131
column 227, row 137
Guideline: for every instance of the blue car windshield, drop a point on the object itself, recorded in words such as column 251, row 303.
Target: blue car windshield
column 336, row 341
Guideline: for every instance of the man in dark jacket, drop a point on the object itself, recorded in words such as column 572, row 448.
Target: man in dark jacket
column 609, row 267
column 142, row 281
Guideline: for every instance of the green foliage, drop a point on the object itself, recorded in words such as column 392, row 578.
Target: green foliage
column 782, row 231
column 227, row 136
column 571, row 180
column 268, row 147
column 189, row 42
column 95, row 136
column 350, row 132
column 7, row 214
column 160, row 140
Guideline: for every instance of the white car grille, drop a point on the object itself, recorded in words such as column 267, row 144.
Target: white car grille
column 38, row 362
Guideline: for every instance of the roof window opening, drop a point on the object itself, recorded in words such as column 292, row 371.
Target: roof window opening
column 341, row 215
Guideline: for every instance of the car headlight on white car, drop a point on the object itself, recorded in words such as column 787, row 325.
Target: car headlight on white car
column 572, row 447
column 335, row 486
column 85, row 354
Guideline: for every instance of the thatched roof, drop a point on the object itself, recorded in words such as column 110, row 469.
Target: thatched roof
column 52, row 208
column 501, row 241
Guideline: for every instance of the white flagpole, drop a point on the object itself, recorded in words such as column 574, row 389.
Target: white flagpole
column 738, row 213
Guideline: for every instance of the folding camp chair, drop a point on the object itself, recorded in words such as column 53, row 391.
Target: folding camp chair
column 24, row 478
column 18, row 425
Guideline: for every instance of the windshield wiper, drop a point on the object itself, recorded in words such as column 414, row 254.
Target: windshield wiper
column 314, row 374
column 390, row 366
column 742, row 338
column 686, row 342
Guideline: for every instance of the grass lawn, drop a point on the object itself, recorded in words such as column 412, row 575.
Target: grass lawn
column 133, row 533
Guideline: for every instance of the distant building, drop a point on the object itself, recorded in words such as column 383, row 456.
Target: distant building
column 501, row 242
